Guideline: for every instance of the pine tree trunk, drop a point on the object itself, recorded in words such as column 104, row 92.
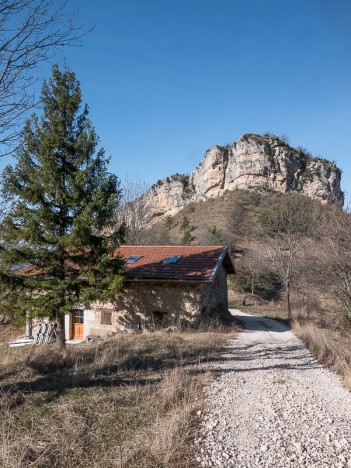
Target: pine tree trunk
column 60, row 332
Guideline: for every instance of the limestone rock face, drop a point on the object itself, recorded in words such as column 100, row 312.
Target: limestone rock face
column 167, row 196
column 254, row 162
column 208, row 178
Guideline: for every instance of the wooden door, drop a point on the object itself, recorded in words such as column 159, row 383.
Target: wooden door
column 78, row 324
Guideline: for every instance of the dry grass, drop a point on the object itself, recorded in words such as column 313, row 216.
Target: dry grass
column 328, row 347
column 270, row 309
column 129, row 401
column 305, row 308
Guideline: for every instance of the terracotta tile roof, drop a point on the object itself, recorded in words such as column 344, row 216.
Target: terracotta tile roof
column 197, row 263
column 34, row 270
column 29, row 270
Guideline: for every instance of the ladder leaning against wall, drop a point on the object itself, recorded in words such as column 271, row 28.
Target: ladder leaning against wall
column 46, row 333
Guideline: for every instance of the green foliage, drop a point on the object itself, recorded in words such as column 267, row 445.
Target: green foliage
column 60, row 198
column 304, row 151
column 216, row 235
column 169, row 222
column 262, row 282
column 240, row 282
column 285, row 139
column 287, row 218
column 185, row 229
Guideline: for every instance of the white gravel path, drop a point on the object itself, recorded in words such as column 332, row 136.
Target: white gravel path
column 274, row 405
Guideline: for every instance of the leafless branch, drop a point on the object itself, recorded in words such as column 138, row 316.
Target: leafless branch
column 31, row 32
column 132, row 210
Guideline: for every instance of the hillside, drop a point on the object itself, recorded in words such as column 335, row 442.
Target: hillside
column 222, row 201
column 233, row 219
column 259, row 162
column 224, row 219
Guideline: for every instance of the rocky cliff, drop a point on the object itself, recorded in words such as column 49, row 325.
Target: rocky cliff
column 258, row 162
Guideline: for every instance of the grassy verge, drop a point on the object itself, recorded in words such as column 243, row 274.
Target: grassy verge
column 264, row 309
column 329, row 347
column 129, row 401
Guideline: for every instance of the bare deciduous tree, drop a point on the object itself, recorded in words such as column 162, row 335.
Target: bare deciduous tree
column 255, row 267
column 333, row 259
column 31, row 31
column 285, row 226
column 132, row 209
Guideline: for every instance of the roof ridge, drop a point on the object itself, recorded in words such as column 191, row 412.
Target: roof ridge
column 174, row 246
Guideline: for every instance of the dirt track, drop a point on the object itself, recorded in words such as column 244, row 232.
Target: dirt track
column 274, row 405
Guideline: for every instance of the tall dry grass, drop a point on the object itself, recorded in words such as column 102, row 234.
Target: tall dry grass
column 129, row 401
column 327, row 348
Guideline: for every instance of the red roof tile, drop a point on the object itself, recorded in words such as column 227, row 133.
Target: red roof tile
column 197, row 263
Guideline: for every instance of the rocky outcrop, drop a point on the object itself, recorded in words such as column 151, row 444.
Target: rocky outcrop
column 264, row 163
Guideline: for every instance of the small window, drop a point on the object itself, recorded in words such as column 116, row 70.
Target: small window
column 106, row 317
column 78, row 316
column 174, row 259
column 133, row 258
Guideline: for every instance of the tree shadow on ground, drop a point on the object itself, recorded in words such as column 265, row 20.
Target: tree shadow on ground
column 148, row 372
column 58, row 373
column 258, row 323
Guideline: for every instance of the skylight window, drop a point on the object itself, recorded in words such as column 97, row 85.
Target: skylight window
column 133, row 258
column 15, row 269
column 174, row 259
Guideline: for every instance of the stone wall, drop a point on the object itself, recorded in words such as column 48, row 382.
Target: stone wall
column 142, row 305
column 214, row 297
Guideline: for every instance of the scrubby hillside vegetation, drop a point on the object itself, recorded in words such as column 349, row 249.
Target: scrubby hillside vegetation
column 240, row 219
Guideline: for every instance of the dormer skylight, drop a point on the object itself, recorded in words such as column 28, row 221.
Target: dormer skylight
column 133, row 258
column 173, row 259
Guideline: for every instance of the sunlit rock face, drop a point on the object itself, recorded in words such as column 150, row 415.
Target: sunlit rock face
column 254, row 162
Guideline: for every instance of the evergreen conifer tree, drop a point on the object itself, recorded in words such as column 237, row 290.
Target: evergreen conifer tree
column 60, row 199
column 185, row 229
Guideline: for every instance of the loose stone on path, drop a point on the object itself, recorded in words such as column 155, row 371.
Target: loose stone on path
column 274, row 405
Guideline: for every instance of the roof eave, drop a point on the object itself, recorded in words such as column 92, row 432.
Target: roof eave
column 168, row 280
column 229, row 266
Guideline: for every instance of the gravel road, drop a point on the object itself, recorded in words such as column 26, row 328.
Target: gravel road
column 273, row 404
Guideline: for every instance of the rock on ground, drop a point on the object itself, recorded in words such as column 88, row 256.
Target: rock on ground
column 274, row 405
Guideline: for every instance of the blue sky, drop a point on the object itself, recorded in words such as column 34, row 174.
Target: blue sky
column 167, row 79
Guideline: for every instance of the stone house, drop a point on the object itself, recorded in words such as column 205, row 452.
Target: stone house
column 165, row 286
